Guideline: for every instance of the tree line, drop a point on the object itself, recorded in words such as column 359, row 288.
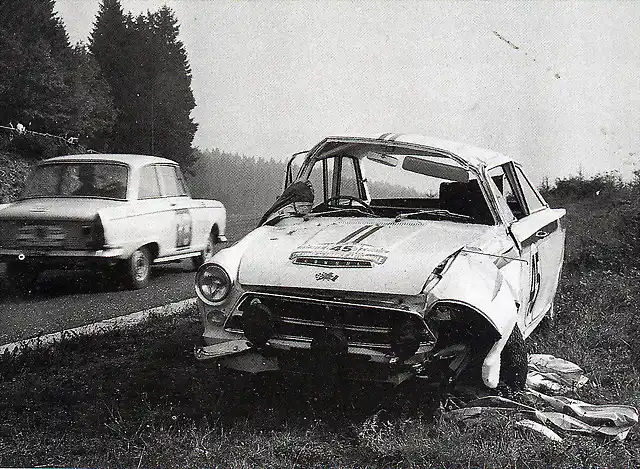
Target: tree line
column 127, row 91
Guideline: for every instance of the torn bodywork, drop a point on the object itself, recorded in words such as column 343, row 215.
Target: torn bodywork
column 439, row 274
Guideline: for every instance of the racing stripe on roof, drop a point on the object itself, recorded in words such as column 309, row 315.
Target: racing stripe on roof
column 383, row 136
column 393, row 137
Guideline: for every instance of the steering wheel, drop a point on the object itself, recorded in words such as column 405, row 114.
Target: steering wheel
column 350, row 198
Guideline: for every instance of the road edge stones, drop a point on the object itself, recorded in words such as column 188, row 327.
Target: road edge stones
column 96, row 328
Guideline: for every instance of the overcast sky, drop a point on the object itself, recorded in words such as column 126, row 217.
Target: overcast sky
column 554, row 84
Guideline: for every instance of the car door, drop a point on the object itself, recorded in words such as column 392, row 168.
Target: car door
column 537, row 230
column 154, row 212
column 181, row 218
column 201, row 218
column 550, row 240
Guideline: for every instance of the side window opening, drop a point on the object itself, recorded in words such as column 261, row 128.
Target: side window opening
column 504, row 183
column 149, row 186
column 533, row 200
column 349, row 178
column 173, row 187
column 321, row 178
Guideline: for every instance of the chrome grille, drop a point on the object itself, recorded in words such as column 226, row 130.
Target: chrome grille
column 332, row 262
column 302, row 318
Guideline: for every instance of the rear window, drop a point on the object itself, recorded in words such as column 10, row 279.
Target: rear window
column 90, row 179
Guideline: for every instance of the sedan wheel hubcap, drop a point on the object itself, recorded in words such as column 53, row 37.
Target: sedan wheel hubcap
column 141, row 265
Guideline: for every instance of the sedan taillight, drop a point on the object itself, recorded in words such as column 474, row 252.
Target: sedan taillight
column 96, row 233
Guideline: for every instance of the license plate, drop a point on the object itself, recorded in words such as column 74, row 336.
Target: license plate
column 41, row 236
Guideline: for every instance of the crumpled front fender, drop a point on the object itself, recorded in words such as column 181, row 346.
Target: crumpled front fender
column 474, row 281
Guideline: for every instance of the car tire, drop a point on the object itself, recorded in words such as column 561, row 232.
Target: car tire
column 137, row 269
column 514, row 362
column 21, row 276
column 207, row 253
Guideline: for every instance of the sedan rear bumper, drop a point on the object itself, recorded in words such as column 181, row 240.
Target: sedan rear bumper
column 55, row 257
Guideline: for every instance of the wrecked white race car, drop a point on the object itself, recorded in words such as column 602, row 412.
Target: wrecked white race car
column 387, row 258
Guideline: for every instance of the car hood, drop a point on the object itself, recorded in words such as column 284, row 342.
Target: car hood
column 353, row 255
column 56, row 208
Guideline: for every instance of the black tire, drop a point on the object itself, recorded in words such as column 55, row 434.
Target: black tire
column 207, row 253
column 513, row 362
column 21, row 276
column 137, row 269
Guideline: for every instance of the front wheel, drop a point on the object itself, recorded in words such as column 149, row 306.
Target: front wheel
column 513, row 362
column 137, row 269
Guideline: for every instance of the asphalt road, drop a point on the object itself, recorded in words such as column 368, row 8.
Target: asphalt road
column 62, row 300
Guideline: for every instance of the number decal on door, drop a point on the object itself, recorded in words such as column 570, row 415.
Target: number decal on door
column 184, row 224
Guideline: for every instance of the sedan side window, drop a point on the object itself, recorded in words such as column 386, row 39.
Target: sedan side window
column 149, row 186
column 173, row 187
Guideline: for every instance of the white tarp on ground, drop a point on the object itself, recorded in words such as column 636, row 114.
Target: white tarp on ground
column 548, row 374
column 555, row 375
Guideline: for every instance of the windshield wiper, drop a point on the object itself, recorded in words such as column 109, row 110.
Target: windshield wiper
column 438, row 212
column 341, row 210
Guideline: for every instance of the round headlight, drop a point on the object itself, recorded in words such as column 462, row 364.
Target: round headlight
column 212, row 283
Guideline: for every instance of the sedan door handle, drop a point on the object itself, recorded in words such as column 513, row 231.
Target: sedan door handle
column 542, row 234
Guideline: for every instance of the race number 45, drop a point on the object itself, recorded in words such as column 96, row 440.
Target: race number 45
column 184, row 224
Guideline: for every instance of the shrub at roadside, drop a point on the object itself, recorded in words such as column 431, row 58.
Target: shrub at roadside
column 13, row 174
column 603, row 221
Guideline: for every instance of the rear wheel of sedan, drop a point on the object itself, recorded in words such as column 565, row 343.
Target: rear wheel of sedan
column 137, row 269
column 513, row 362
column 21, row 276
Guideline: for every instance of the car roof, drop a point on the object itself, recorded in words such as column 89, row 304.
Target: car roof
column 128, row 159
column 473, row 156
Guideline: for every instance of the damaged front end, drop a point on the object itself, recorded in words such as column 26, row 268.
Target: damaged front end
column 435, row 336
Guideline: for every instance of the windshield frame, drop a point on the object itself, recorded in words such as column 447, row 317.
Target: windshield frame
column 357, row 148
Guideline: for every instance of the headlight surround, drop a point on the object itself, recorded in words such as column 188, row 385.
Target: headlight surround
column 213, row 283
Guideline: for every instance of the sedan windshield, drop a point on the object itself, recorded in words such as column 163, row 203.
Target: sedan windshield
column 78, row 179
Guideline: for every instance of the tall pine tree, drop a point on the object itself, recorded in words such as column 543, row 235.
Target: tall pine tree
column 34, row 45
column 172, row 128
column 110, row 44
column 45, row 84
column 149, row 73
column 92, row 114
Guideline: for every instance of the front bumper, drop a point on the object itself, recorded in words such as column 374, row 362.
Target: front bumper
column 289, row 356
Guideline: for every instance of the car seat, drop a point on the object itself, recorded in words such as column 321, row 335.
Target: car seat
column 465, row 198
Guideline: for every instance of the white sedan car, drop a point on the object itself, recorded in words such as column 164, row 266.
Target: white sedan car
column 95, row 210
column 387, row 258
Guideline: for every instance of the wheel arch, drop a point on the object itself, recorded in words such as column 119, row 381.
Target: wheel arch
column 215, row 232
column 153, row 247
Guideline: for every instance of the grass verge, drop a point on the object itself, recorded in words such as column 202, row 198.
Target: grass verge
column 138, row 398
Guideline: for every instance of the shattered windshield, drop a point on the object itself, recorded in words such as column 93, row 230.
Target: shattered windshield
column 78, row 179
